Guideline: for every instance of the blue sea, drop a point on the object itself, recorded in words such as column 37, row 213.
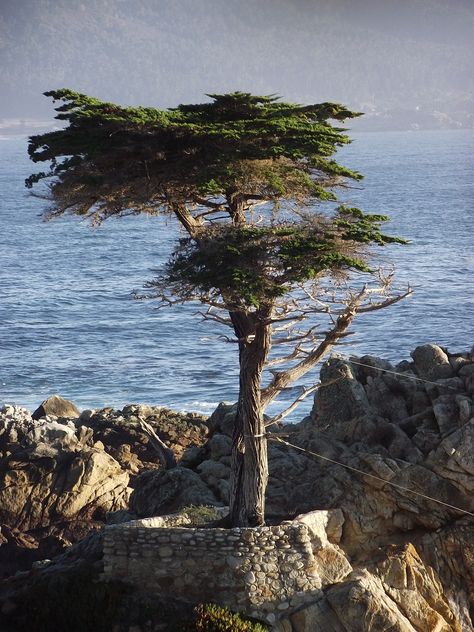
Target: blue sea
column 69, row 325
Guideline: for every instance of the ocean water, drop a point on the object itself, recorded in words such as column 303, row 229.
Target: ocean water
column 68, row 323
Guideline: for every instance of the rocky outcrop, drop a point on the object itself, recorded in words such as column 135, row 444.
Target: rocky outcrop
column 56, row 406
column 412, row 433
column 392, row 506
column 400, row 429
column 399, row 593
column 61, row 477
column 56, row 483
column 124, row 438
column 163, row 492
column 365, row 601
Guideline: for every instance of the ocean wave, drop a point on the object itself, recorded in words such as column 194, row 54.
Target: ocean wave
column 201, row 406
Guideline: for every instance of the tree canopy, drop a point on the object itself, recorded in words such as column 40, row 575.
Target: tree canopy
column 223, row 157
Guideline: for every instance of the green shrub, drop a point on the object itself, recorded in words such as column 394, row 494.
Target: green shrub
column 201, row 514
column 76, row 601
column 212, row 618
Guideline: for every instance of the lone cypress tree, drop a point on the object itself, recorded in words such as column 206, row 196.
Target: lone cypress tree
column 210, row 166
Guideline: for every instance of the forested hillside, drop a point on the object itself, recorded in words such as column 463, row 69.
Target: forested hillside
column 370, row 55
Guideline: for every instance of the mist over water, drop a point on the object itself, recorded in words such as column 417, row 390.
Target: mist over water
column 68, row 323
column 368, row 54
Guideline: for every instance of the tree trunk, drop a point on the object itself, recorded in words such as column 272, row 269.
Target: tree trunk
column 190, row 223
column 236, row 206
column 249, row 470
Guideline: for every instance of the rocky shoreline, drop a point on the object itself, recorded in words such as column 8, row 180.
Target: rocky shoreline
column 401, row 560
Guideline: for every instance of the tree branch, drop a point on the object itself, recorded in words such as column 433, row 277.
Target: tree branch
column 291, row 407
column 165, row 454
column 304, row 336
column 214, row 317
column 209, row 204
column 355, row 303
column 294, row 354
column 186, row 219
column 389, row 301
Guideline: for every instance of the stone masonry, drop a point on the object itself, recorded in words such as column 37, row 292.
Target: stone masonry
column 264, row 572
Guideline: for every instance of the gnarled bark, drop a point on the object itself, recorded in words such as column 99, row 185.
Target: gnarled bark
column 249, row 472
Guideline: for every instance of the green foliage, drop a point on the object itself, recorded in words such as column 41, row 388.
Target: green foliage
column 76, row 600
column 212, row 618
column 72, row 602
column 201, row 514
column 355, row 225
column 252, row 265
column 187, row 151
column 224, row 156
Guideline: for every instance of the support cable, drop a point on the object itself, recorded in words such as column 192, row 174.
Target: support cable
column 408, row 377
column 373, row 476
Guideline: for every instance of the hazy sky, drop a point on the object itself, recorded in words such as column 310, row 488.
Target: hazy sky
column 366, row 53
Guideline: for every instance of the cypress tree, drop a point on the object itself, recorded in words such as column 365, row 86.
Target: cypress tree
column 252, row 182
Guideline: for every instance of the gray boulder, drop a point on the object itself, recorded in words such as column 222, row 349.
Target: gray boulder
column 343, row 398
column 162, row 492
column 56, row 406
column 432, row 363
column 222, row 419
column 43, row 490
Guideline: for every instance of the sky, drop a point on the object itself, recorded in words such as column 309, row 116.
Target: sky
column 372, row 55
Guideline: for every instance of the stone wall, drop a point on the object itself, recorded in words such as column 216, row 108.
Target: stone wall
column 263, row 571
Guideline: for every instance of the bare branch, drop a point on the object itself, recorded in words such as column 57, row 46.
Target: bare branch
column 300, row 314
column 298, row 400
column 291, row 408
column 304, row 336
column 165, row 454
column 214, row 205
column 315, row 299
column 210, row 212
column 214, row 219
column 214, row 317
column 254, row 196
column 296, row 353
column 290, row 322
column 389, row 301
column 354, row 305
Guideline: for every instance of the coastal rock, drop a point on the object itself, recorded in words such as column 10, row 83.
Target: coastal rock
column 56, row 406
column 124, row 438
column 316, row 616
column 454, row 459
column 361, row 604
column 55, row 484
column 385, row 457
column 325, row 525
column 41, row 492
column 343, row 397
column 400, row 594
column 220, row 445
column 158, row 493
column 432, row 363
column 59, row 479
column 416, row 590
column 216, row 475
column 371, row 602
column 450, row 552
column 222, row 419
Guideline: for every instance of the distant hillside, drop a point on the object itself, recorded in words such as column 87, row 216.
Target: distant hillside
column 368, row 54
